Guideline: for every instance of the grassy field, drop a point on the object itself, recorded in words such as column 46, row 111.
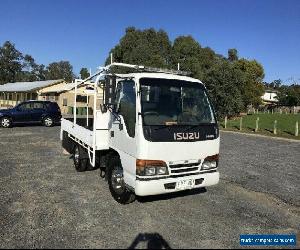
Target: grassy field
column 285, row 124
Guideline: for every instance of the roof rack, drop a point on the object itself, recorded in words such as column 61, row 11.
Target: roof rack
column 142, row 68
column 105, row 70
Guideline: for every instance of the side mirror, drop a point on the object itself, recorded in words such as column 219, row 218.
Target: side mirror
column 120, row 126
column 115, row 108
column 103, row 108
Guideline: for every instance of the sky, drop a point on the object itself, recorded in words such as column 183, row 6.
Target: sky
column 84, row 31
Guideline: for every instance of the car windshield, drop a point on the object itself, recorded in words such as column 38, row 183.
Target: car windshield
column 174, row 102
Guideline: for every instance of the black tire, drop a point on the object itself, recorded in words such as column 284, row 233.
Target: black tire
column 5, row 122
column 80, row 158
column 48, row 121
column 117, row 188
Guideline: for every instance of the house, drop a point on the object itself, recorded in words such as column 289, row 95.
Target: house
column 16, row 92
column 64, row 94
column 53, row 90
column 269, row 96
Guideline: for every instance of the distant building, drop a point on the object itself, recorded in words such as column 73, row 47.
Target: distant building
column 52, row 90
column 269, row 97
column 16, row 92
column 66, row 96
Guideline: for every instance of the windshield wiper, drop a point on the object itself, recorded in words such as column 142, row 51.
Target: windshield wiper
column 162, row 126
column 191, row 126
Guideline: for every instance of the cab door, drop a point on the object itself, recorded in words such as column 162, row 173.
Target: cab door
column 123, row 130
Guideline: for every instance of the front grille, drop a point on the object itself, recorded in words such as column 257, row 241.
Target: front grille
column 184, row 165
column 184, row 168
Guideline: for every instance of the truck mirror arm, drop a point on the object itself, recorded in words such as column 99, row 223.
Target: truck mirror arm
column 115, row 114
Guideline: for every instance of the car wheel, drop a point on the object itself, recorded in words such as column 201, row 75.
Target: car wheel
column 6, row 122
column 48, row 121
column 81, row 162
column 116, row 182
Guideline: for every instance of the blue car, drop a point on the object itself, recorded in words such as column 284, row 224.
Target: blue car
column 44, row 112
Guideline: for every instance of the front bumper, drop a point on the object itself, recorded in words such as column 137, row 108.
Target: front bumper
column 161, row 186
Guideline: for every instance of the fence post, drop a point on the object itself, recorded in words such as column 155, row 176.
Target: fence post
column 275, row 127
column 256, row 126
column 296, row 129
column 225, row 122
column 241, row 123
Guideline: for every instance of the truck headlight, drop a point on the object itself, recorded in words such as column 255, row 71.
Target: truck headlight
column 161, row 170
column 150, row 171
column 210, row 162
column 151, row 167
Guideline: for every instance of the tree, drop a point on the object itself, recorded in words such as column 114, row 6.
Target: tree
column 250, row 85
column 277, row 83
column 289, row 95
column 10, row 63
column 31, row 71
column 222, row 81
column 84, row 73
column 232, row 55
column 186, row 52
column 147, row 47
column 232, row 83
column 60, row 70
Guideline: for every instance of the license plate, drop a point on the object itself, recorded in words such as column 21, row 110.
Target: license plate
column 185, row 184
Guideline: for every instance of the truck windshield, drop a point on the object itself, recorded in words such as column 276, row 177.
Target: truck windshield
column 174, row 102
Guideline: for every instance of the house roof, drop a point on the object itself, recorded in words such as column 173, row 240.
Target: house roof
column 27, row 86
column 59, row 88
column 271, row 91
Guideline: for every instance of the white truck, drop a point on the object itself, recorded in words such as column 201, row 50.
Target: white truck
column 155, row 132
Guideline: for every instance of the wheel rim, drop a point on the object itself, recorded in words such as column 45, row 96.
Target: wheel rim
column 76, row 156
column 5, row 122
column 48, row 121
column 117, row 180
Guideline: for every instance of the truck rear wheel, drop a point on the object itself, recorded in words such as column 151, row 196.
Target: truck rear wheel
column 116, row 183
column 81, row 162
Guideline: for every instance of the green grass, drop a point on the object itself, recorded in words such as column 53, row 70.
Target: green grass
column 285, row 124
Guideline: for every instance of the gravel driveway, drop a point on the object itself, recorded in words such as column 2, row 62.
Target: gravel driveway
column 45, row 203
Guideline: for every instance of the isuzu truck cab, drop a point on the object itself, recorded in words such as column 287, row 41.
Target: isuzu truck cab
column 154, row 133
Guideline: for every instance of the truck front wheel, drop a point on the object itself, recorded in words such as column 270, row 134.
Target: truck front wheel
column 116, row 182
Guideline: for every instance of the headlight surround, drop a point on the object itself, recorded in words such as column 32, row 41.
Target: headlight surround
column 210, row 162
column 151, row 167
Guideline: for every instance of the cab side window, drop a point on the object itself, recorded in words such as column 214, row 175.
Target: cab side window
column 127, row 104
